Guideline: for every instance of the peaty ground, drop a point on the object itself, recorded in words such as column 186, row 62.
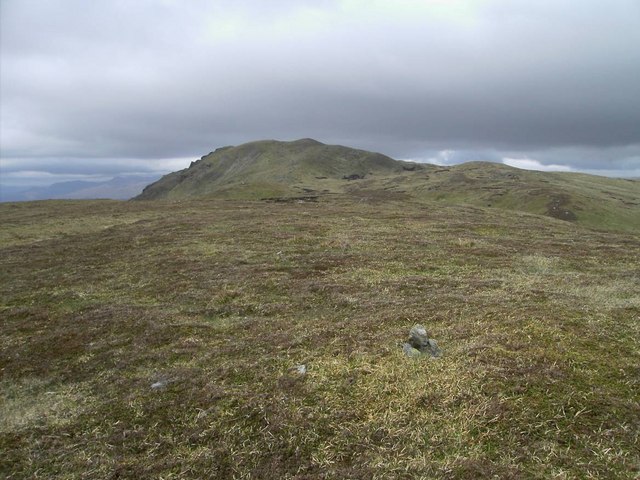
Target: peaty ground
column 215, row 303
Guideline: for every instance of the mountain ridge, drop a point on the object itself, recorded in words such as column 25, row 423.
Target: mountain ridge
column 268, row 169
column 117, row 188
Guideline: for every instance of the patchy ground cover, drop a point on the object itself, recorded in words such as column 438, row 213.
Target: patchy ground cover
column 160, row 340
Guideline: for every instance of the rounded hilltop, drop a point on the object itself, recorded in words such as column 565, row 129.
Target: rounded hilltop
column 267, row 168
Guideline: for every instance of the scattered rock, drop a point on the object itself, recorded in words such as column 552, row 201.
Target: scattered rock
column 557, row 208
column 419, row 343
column 302, row 199
column 434, row 349
column 409, row 351
column 418, row 337
column 353, row 176
column 293, row 380
column 158, row 385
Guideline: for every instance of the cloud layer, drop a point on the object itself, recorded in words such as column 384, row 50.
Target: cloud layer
column 90, row 87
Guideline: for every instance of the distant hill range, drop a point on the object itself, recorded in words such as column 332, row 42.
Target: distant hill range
column 118, row 188
column 306, row 170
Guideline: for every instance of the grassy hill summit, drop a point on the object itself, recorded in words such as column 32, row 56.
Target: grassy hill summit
column 270, row 169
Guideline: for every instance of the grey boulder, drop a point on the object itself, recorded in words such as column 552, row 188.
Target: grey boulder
column 409, row 351
column 420, row 343
column 418, row 337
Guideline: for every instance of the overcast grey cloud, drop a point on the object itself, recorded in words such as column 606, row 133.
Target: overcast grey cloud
column 112, row 86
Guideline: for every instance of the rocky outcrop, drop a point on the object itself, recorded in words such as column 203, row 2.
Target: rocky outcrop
column 420, row 344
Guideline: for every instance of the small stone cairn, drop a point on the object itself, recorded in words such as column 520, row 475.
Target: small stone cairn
column 420, row 344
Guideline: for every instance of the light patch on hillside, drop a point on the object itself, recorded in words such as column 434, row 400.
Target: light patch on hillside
column 32, row 402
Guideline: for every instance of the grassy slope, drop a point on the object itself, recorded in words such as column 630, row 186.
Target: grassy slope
column 283, row 169
column 592, row 201
column 538, row 320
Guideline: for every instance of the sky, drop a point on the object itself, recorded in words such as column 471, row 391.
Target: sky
column 90, row 90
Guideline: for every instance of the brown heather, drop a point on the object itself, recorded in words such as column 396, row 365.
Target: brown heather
column 538, row 320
